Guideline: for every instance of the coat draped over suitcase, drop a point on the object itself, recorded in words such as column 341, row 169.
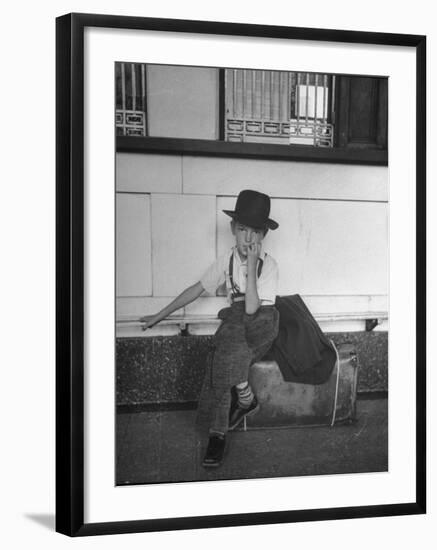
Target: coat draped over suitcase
column 303, row 353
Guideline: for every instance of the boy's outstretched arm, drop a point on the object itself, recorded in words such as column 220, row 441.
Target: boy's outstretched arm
column 184, row 298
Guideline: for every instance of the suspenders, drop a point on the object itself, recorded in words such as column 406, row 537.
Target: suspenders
column 235, row 290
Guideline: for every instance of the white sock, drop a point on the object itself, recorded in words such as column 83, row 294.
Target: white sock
column 245, row 396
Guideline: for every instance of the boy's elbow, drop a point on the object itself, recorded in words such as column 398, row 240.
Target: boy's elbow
column 251, row 309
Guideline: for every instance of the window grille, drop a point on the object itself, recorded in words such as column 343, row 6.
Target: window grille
column 131, row 105
column 279, row 107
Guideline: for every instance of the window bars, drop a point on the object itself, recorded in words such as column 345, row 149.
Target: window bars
column 131, row 104
column 279, row 107
column 260, row 106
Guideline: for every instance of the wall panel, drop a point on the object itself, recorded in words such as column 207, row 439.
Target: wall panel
column 133, row 245
column 227, row 176
column 184, row 240
column 138, row 173
column 323, row 247
column 182, row 102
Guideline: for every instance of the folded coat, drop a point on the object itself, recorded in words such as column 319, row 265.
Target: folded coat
column 303, row 353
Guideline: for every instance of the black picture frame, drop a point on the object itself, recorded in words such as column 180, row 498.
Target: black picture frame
column 70, row 273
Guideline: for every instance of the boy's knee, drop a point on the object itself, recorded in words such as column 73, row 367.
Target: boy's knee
column 262, row 327
column 229, row 331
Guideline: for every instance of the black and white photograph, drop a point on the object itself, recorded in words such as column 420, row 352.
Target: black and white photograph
column 251, row 273
column 240, row 274
column 219, row 250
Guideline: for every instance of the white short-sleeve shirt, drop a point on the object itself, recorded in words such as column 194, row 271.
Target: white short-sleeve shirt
column 217, row 275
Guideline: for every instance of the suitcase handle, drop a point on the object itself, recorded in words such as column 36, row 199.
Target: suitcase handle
column 337, row 364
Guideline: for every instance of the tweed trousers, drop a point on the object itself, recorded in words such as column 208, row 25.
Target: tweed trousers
column 240, row 341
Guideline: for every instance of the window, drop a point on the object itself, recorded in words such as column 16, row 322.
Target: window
column 278, row 107
column 131, row 103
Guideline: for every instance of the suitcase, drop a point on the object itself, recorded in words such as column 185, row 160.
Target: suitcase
column 288, row 404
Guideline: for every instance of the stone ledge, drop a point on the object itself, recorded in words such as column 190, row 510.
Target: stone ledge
column 170, row 369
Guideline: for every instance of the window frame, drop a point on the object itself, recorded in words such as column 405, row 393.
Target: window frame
column 216, row 148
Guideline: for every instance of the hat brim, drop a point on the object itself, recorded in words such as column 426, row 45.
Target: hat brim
column 271, row 224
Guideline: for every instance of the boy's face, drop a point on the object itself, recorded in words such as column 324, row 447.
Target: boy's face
column 244, row 236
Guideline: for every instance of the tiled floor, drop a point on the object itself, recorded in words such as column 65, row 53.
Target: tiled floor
column 164, row 447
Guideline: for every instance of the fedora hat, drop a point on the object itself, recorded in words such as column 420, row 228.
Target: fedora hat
column 252, row 209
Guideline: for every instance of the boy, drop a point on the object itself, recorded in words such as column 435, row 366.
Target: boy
column 249, row 325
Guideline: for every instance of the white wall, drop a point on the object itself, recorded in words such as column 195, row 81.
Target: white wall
column 331, row 246
column 133, row 245
column 182, row 102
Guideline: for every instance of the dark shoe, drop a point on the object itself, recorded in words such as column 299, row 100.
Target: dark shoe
column 234, row 402
column 215, row 451
column 239, row 413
